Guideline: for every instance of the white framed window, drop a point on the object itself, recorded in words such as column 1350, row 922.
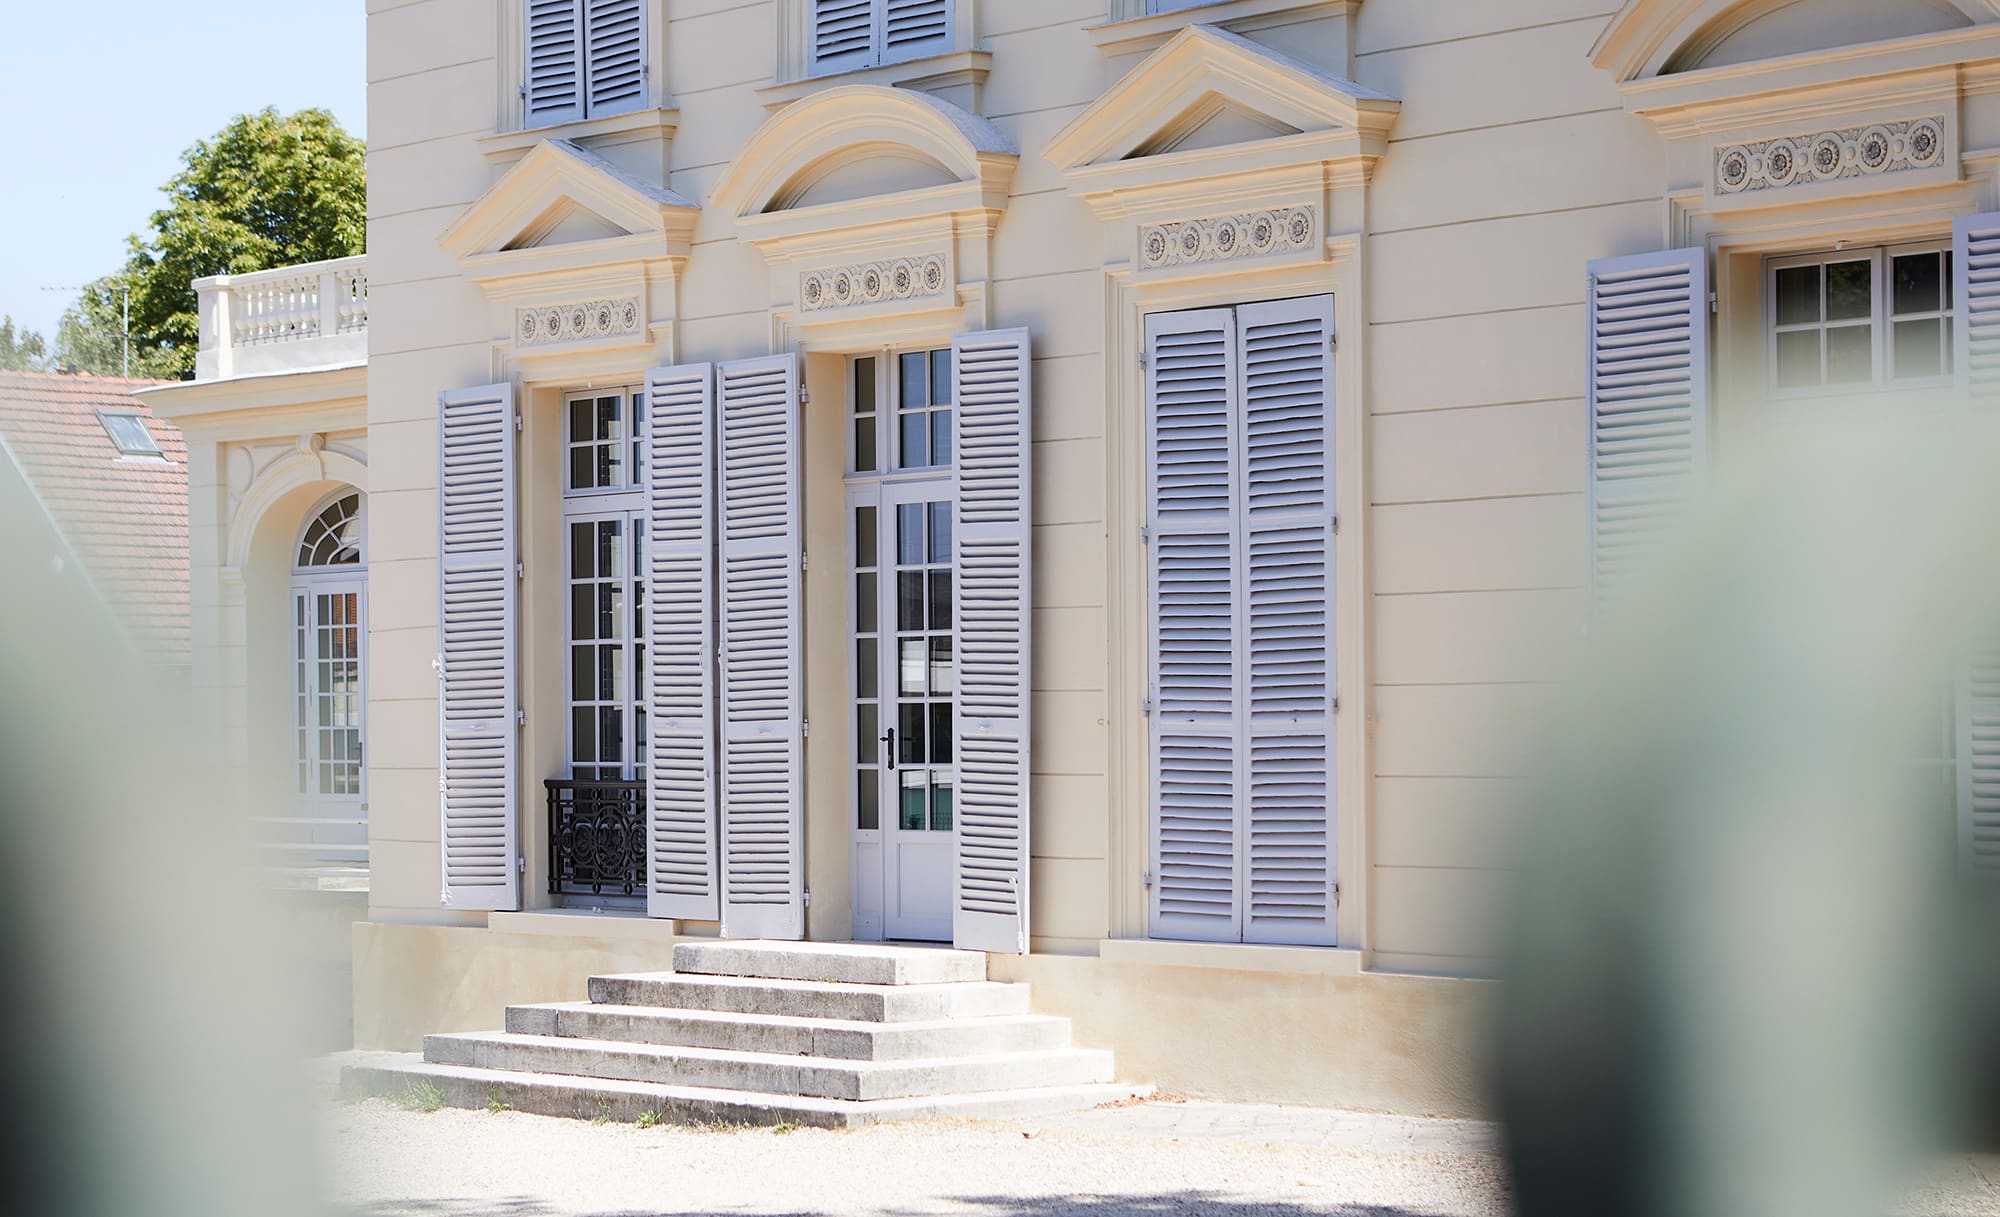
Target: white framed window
column 845, row 35
column 329, row 642
column 1859, row 320
column 604, row 563
column 129, row 434
column 583, row 59
column 901, row 405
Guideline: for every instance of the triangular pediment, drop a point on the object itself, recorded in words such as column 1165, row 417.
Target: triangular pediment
column 1208, row 89
column 561, row 196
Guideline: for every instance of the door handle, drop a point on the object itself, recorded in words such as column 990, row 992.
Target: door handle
column 890, row 739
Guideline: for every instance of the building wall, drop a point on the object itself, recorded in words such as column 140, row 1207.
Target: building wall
column 1513, row 163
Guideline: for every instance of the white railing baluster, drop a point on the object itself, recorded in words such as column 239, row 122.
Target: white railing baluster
column 287, row 304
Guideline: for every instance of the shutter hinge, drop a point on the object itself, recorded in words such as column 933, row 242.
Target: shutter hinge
column 1146, row 707
column 521, row 863
column 1332, row 341
column 1333, row 524
column 1336, row 893
column 437, row 664
column 520, row 570
column 1147, row 878
column 802, row 560
column 808, row 898
column 1145, row 534
column 524, row 91
column 1145, row 359
column 805, row 396
column 520, row 718
column 1333, row 705
column 1714, row 303
column 805, row 727
column 518, row 424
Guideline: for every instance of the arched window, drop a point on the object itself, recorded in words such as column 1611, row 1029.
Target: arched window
column 333, row 537
column 329, row 645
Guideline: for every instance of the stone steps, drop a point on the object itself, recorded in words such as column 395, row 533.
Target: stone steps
column 623, row 1102
column 836, row 1038
column 824, row 1034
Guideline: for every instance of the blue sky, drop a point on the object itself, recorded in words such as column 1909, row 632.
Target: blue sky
column 101, row 97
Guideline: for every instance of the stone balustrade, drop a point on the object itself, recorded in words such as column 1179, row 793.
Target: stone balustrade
column 290, row 318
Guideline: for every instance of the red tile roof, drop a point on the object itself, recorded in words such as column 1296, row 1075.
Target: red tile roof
column 126, row 517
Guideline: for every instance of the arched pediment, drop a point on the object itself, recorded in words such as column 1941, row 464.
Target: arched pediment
column 865, row 143
column 1211, row 104
column 1651, row 38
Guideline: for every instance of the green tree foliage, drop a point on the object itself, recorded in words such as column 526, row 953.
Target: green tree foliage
column 21, row 350
column 269, row 190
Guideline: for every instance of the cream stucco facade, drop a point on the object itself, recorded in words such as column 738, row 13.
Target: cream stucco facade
column 1448, row 179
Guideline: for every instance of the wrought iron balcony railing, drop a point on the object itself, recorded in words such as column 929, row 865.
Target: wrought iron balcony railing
column 597, row 838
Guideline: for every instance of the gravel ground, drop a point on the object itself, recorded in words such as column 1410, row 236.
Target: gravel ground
column 1214, row 1159
column 388, row 1161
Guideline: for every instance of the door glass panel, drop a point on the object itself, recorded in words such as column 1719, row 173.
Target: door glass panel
column 941, row 800
column 868, row 800
column 912, row 817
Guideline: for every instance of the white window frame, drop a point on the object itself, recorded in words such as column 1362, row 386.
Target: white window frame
column 624, row 503
column 306, row 581
column 1882, row 352
column 889, row 411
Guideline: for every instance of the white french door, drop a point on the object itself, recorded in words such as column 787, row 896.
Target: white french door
column 329, row 643
column 905, row 683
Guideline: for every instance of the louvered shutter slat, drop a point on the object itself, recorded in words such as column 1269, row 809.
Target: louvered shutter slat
column 1979, row 763
column 1976, row 306
column 681, row 794
column 843, row 34
column 1192, row 397
column 1648, row 404
column 762, row 637
column 915, row 28
column 1288, row 548
column 993, row 540
column 478, row 738
column 554, row 62
column 614, row 61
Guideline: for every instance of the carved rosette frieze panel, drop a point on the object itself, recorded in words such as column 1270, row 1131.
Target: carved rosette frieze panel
column 889, row 280
column 1225, row 238
column 1830, row 156
column 547, row 325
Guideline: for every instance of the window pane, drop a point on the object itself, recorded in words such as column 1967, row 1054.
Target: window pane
column 866, row 604
column 580, row 413
column 940, row 599
column 912, row 813
column 583, row 733
column 1850, row 355
column 1798, row 359
column 610, row 610
column 582, row 549
column 582, row 468
column 864, row 386
column 915, row 380
column 941, row 437
column 864, row 444
column 940, row 733
column 867, row 667
column 910, row 735
column 867, row 734
column 610, row 464
column 941, row 793
column 864, row 536
column 582, row 610
column 940, row 376
column 1850, row 291
column 611, row 734
column 611, row 674
column 1798, row 295
column 941, row 667
column 610, row 554
column 910, row 534
column 868, row 800
column 1919, row 349
column 607, row 418
column 581, row 660
column 910, row 600
column 910, row 675
column 1919, row 285
column 916, row 448
column 940, row 547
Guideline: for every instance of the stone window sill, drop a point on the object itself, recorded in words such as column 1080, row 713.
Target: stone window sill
column 1147, row 33
column 661, row 124
column 954, row 68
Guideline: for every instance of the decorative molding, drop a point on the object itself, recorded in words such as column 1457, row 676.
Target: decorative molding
column 889, row 280
column 1827, row 156
column 1251, row 234
column 547, row 325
